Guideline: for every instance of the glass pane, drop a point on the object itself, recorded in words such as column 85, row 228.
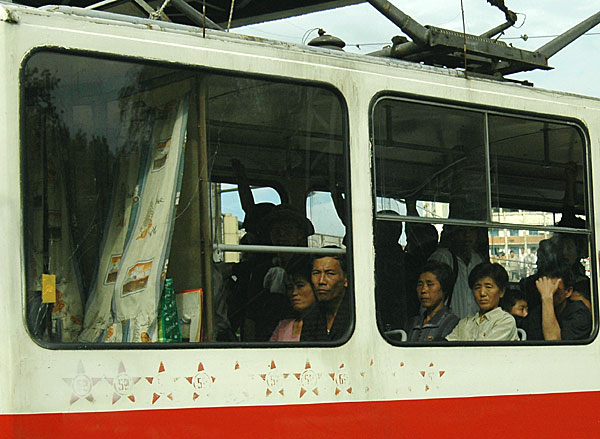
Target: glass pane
column 406, row 276
column 291, row 140
column 102, row 154
column 433, row 156
column 537, row 172
column 121, row 221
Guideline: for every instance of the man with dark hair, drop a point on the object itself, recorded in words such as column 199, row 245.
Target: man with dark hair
column 330, row 318
column 558, row 317
column 459, row 251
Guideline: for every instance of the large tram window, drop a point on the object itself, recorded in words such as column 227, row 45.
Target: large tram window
column 153, row 197
column 514, row 193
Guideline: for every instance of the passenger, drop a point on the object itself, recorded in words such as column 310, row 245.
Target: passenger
column 581, row 290
column 514, row 302
column 559, row 317
column 461, row 255
column 330, row 317
column 436, row 321
column 560, row 250
column 390, row 289
column 260, row 293
column 245, row 280
column 302, row 297
column 421, row 242
column 489, row 282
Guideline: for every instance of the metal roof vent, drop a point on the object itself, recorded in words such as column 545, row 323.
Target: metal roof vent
column 327, row 41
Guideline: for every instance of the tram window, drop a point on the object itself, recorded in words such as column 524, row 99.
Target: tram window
column 138, row 177
column 536, row 183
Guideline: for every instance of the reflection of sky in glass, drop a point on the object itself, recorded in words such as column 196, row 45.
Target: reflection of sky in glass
column 230, row 201
column 322, row 213
column 319, row 207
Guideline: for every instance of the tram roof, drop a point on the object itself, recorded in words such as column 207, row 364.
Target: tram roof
column 245, row 12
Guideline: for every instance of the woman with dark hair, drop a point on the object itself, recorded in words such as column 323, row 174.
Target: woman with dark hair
column 436, row 321
column 488, row 282
column 302, row 296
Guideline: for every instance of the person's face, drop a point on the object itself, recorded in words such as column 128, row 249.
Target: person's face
column 487, row 294
column 520, row 308
column 569, row 250
column 561, row 294
column 429, row 291
column 301, row 294
column 465, row 238
column 328, row 279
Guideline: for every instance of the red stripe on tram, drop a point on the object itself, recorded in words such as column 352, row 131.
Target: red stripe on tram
column 550, row 415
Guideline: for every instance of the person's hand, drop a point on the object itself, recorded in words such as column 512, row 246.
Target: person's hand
column 547, row 287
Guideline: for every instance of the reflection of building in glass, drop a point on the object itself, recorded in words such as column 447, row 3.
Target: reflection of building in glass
column 433, row 209
column 516, row 248
column 321, row 240
column 231, row 235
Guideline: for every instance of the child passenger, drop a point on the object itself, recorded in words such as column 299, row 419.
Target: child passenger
column 488, row 282
column 436, row 321
column 514, row 302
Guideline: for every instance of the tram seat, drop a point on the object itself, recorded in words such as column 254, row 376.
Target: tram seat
column 396, row 335
column 522, row 334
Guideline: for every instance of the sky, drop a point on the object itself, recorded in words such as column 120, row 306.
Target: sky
column 365, row 30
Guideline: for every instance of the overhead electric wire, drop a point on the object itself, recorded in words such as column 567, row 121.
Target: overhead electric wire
column 522, row 37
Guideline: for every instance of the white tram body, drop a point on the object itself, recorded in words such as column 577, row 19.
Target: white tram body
column 363, row 385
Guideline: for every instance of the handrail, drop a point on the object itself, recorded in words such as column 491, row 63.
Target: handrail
column 278, row 249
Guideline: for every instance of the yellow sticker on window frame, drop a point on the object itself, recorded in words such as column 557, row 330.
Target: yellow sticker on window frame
column 48, row 288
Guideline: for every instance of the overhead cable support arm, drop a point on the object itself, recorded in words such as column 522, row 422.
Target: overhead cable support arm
column 194, row 15
column 566, row 38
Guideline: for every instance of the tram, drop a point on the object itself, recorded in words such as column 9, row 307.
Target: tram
column 137, row 152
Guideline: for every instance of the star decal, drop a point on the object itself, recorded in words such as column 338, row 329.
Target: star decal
column 364, row 373
column 308, row 380
column 274, row 380
column 201, row 381
column 431, row 375
column 81, row 385
column 123, row 384
column 341, row 379
column 401, row 365
column 162, row 383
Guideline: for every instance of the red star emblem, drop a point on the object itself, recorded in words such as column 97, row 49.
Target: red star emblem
column 123, row 384
column 201, row 381
column 274, row 380
column 431, row 375
column 308, row 380
column 341, row 379
column 81, row 385
column 162, row 383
